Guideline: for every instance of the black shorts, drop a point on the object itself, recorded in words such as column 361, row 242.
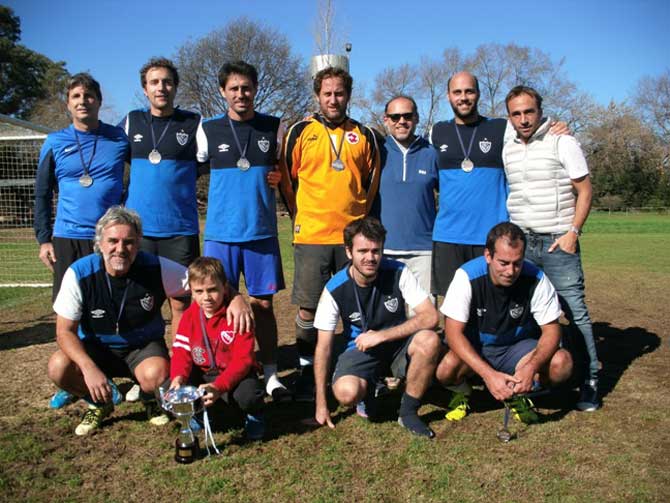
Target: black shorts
column 314, row 265
column 376, row 363
column 67, row 252
column 123, row 362
column 447, row 258
column 248, row 395
column 180, row 249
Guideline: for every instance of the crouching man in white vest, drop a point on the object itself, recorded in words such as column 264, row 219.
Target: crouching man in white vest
column 550, row 199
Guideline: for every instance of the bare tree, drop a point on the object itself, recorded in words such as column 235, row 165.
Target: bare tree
column 653, row 99
column 328, row 37
column 282, row 78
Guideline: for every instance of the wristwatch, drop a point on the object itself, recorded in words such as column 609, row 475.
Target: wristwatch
column 576, row 230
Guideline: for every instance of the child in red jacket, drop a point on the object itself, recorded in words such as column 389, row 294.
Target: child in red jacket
column 207, row 351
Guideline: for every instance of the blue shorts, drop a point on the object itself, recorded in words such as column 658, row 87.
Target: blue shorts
column 505, row 358
column 259, row 261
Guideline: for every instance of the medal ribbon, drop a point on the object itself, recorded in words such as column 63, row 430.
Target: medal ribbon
column 337, row 151
column 81, row 154
column 208, row 347
column 460, row 140
column 123, row 299
column 153, row 135
column 371, row 304
column 243, row 153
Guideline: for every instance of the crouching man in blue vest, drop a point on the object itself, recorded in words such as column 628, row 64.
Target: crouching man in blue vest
column 109, row 321
column 370, row 295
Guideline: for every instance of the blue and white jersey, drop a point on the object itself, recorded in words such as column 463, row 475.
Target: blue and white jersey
column 60, row 166
column 241, row 204
column 470, row 204
column 383, row 302
column 85, row 297
column 163, row 194
column 501, row 315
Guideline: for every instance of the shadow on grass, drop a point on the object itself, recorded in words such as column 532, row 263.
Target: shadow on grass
column 42, row 332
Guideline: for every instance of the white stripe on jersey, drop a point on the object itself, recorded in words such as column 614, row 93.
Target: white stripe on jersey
column 183, row 346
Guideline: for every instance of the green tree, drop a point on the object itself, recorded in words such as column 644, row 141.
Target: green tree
column 24, row 74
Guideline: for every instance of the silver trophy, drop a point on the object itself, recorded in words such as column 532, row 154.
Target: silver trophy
column 184, row 403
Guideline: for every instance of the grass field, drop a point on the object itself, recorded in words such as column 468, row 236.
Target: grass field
column 619, row 453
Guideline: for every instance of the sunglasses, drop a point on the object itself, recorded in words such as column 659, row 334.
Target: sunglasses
column 396, row 117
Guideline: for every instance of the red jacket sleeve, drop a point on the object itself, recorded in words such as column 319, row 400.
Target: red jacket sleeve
column 242, row 360
column 182, row 361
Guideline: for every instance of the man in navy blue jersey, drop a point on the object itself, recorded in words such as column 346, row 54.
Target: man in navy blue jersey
column 163, row 171
column 85, row 163
column 502, row 323
column 243, row 148
column 370, row 296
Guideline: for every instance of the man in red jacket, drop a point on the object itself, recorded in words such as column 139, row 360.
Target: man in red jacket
column 208, row 352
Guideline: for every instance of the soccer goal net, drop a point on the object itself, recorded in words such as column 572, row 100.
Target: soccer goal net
column 19, row 263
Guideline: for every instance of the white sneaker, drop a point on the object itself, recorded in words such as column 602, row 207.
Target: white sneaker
column 133, row 394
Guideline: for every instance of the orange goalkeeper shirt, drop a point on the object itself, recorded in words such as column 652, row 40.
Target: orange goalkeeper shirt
column 325, row 199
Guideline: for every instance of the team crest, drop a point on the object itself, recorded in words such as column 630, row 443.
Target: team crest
column 352, row 138
column 516, row 311
column 96, row 314
column 391, row 305
column 227, row 336
column 264, row 145
column 182, row 138
column 147, row 302
column 485, row 145
column 198, row 355
column 355, row 316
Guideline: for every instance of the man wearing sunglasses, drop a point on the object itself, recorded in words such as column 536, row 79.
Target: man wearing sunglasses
column 406, row 202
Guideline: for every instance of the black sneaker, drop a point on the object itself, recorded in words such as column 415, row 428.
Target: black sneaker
column 588, row 397
column 413, row 423
column 304, row 385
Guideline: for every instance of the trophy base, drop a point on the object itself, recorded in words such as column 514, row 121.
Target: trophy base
column 186, row 453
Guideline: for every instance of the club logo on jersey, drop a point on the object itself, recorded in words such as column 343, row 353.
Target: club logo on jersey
column 147, row 302
column 137, row 138
column 182, row 137
column 516, row 311
column 444, row 147
column 352, row 138
column 224, row 147
column 391, row 305
column 198, row 355
column 96, row 314
column 354, row 317
column 227, row 336
column 264, row 145
column 485, row 146
column 423, row 172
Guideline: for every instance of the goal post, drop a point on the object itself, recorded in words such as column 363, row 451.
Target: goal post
column 20, row 144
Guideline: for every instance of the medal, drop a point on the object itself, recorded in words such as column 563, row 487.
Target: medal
column 337, row 164
column 85, row 181
column 467, row 165
column 243, row 163
column 155, row 156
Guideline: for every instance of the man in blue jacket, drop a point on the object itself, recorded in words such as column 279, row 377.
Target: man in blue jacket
column 407, row 188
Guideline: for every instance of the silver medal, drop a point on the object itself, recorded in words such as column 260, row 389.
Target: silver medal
column 85, row 181
column 467, row 165
column 338, row 165
column 154, row 156
column 243, row 163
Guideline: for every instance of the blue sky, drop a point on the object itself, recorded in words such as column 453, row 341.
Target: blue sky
column 607, row 45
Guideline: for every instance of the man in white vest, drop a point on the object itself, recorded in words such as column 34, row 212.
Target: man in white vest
column 550, row 198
